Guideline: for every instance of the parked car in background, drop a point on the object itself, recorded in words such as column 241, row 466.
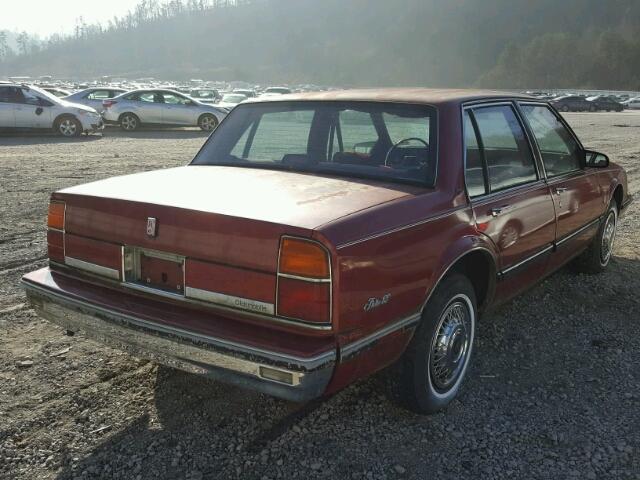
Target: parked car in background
column 58, row 92
column 603, row 102
column 205, row 95
column 632, row 103
column 230, row 100
column 160, row 107
column 286, row 260
column 246, row 92
column 29, row 107
column 94, row 96
column 571, row 103
column 277, row 91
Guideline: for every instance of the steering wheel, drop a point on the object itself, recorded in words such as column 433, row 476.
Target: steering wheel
column 401, row 142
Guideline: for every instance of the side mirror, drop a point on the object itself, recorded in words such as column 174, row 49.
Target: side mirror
column 595, row 159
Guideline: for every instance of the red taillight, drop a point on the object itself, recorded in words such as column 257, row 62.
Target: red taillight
column 108, row 103
column 55, row 217
column 304, row 281
column 308, row 301
column 55, row 246
column 55, row 232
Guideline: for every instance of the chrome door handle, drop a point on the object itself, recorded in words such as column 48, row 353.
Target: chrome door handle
column 560, row 190
column 495, row 211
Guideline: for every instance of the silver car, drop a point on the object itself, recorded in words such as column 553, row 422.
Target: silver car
column 23, row 107
column 94, row 96
column 160, row 107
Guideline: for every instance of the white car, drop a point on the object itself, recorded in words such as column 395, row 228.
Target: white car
column 23, row 107
column 632, row 103
column 230, row 100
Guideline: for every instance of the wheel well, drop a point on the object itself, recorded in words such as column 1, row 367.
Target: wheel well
column 61, row 116
column 618, row 196
column 128, row 113
column 206, row 113
column 478, row 266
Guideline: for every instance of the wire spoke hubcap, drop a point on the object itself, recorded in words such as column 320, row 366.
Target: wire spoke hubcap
column 608, row 237
column 450, row 347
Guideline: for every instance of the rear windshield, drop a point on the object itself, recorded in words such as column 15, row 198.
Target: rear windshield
column 386, row 141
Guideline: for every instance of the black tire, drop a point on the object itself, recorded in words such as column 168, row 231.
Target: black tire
column 208, row 122
column 593, row 108
column 418, row 379
column 68, row 126
column 597, row 256
column 565, row 108
column 129, row 122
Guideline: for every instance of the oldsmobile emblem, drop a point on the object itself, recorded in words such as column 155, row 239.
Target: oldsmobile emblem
column 376, row 302
column 152, row 227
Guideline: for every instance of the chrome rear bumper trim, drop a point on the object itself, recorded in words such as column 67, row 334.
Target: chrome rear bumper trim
column 92, row 268
column 201, row 354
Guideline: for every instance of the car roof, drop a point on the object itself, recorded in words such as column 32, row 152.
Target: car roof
column 426, row 96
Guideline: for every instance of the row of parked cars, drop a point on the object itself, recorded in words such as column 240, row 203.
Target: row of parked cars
column 72, row 114
column 596, row 103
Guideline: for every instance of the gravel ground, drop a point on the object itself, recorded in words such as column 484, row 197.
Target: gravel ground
column 554, row 391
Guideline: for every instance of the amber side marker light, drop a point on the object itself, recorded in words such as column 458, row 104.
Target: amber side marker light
column 303, row 258
column 55, row 218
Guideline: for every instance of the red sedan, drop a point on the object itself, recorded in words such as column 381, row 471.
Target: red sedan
column 318, row 238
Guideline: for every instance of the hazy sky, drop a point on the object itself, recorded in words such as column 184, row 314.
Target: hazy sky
column 44, row 17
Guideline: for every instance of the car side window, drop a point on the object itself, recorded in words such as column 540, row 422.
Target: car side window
column 559, row 150
column 505, row 149
column 173, row 99
column 30, row 98
column 148, row 97
column 474, row 171
column 7, row 94
column 98, row 95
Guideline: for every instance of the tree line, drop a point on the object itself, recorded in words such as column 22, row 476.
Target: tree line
column 438, row 43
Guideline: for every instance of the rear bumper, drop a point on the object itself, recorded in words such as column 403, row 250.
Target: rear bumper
column 274, row 373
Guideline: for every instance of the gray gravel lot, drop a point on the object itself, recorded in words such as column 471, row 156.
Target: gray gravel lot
column 554, row 391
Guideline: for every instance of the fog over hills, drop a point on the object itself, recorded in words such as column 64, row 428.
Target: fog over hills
column 458, row 43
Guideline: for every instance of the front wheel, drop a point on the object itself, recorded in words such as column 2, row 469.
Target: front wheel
column 429, row 374
column 69, row 127
column 208, row 122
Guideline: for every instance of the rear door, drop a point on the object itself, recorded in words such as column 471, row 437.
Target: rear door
column 7, row 116
column 508, row 194
column 149, row 107
column 575, row 189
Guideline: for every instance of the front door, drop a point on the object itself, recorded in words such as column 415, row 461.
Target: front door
column 178, row 110
column 509, row 196
column 31, row 111
column 574, row 188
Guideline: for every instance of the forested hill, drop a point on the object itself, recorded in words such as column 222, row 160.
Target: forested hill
column 497, row 43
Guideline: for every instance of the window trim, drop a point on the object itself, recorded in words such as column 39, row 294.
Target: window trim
column 513, row 103
column 561, row 119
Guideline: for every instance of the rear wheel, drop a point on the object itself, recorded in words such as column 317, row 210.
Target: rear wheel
column 208, row 122
column 593, row 108
column 565, row 108
column 129, row 122
column 596, row 258
column 429, row 374
column 68, row 127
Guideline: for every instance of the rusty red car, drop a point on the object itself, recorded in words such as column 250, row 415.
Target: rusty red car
column 318, row 238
